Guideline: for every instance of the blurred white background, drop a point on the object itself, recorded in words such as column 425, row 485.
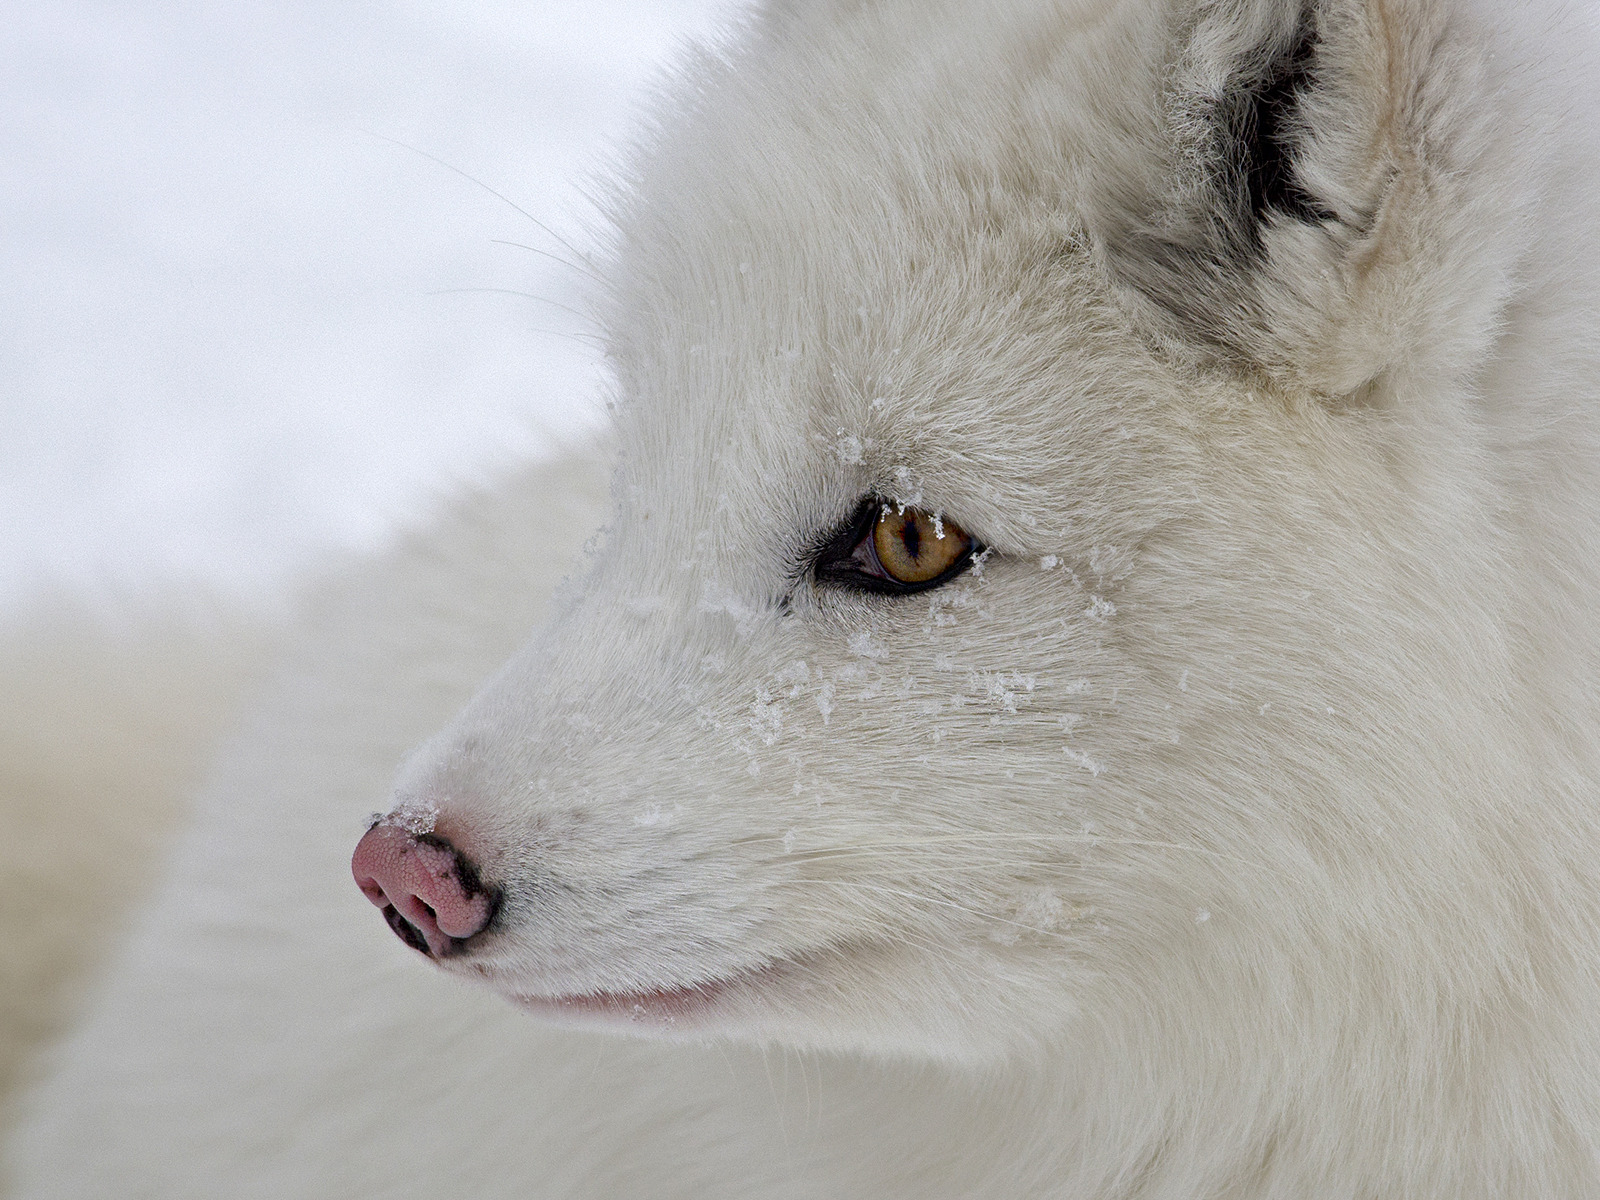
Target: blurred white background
column 242, row 328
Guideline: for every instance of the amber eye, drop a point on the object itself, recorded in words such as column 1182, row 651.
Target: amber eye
column 887, row 548
column 914, row 547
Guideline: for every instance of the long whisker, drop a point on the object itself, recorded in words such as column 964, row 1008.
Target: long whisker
column 461, row 291
column 895, row 937
column 588, row 339
column 943, row 903
column 777, row 1104
column 1083, row 839
column 946, row 868
column 555, row 258
column 498, row 195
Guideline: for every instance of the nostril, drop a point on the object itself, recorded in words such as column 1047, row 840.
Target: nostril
column 372, row 891
column 408, row 933
column 429, row 892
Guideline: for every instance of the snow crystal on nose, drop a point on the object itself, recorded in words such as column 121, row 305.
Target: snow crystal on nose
column 417, row 815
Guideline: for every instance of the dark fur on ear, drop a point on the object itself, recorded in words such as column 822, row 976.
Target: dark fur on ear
column 1232, row 176
column 1333, row 191
column 1256, row 123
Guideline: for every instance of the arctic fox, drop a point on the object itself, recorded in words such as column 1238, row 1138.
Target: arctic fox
column 1088, row 687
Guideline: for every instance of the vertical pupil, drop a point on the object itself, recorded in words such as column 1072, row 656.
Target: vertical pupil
column 911, row 535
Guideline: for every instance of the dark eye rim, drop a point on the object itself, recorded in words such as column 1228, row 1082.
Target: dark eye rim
column 838, row 558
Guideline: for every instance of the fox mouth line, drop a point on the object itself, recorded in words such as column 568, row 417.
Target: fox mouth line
column 665, row 1006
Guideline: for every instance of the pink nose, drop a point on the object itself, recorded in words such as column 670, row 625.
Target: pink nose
column 429, row 891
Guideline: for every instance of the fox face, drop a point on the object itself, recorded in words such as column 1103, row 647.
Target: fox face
column 1047, row 562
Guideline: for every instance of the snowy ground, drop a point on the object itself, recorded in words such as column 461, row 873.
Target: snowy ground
column 240, row 326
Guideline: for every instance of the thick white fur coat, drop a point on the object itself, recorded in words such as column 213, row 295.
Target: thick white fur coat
column 1230, row 829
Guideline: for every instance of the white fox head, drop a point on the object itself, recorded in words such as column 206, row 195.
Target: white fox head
column 1052, row 590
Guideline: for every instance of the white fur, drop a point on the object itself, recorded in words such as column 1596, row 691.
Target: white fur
column 1230, row 830
column 104, row 730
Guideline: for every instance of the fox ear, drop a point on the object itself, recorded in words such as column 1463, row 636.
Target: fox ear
column 1333, row 197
